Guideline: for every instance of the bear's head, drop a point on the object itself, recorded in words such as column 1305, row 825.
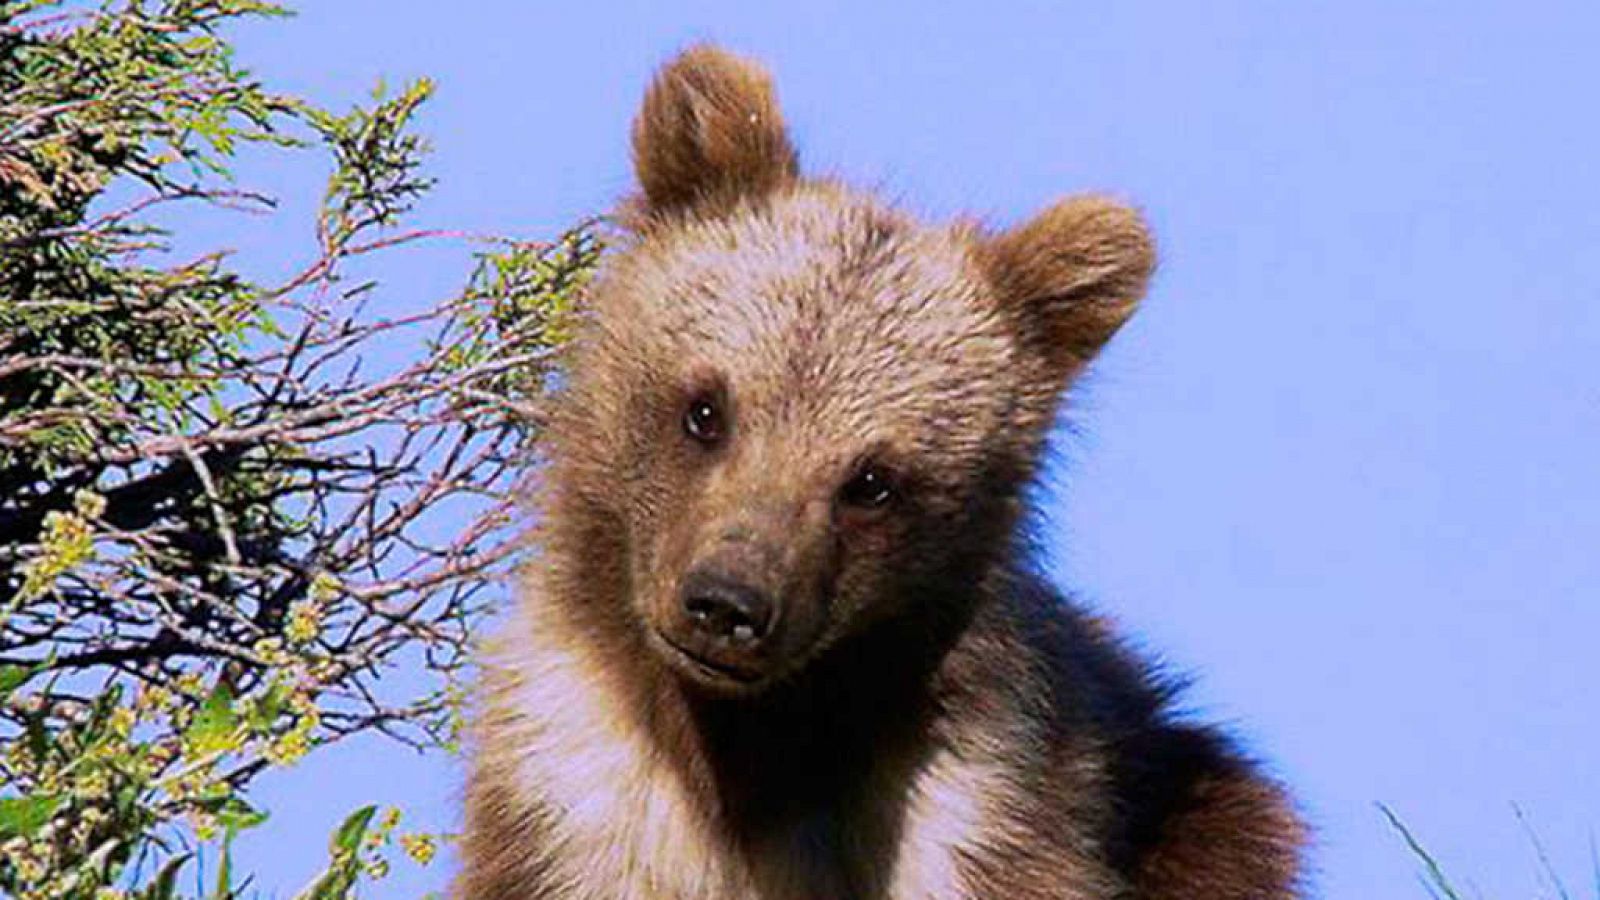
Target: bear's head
column 794, row 413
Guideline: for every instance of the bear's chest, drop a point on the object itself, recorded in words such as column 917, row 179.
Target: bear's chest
column 617, row 818
column 619, row 823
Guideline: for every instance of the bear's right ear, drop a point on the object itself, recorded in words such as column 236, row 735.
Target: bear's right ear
column 1071, row 276
column 709, row 133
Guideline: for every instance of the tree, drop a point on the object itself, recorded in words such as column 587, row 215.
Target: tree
column 219, row 528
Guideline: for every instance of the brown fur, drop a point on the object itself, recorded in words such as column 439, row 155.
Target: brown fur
column 919, row 716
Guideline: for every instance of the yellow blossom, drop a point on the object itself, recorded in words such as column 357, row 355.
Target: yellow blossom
column 305, row 622
column 304, row 704
column 122, row 721
column 67, row 541
column 391, row 818
column 419, row 847
column 271, row 651
column 89, row 504
column 151, row 699
column 288, row 748
column 324, row 587
column 379, row 835
column 29, row 867
column 190, row 684
column 94, row 785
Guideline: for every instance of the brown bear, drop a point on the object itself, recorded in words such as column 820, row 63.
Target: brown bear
column 781, row 638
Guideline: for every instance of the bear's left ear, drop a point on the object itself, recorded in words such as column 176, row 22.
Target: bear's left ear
column 709, row 132
column 1071, row 276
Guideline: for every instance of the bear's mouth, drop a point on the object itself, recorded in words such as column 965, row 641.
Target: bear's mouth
column 702, row 668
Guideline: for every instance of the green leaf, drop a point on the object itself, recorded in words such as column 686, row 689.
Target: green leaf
column 24, row 816
column 213, row 724
column 269, row 706
column 224, row 886
column 14, row 676
column 336, row 881
column 100, row 715
column 38, row 738
column 347, row 840
column 234, row 814
column 165, row 884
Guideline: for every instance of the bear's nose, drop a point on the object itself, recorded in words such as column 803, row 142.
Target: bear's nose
column 722, row 608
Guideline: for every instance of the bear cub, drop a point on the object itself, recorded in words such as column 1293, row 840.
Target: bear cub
column 781, row 638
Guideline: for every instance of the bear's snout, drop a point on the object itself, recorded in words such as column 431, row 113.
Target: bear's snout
column 746, row 603
column 727, row 613
column 724, row 609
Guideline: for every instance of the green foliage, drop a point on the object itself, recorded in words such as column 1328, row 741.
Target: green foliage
column 217, row 531
column 1440, row 887
column 1434, row 878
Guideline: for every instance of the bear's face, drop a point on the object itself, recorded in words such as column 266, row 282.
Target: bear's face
column 820, row 396
column 802, row 409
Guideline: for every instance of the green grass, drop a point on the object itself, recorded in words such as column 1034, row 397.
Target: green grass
column 1440, row 887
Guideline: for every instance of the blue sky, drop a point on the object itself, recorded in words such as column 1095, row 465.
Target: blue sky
column 1344, row 466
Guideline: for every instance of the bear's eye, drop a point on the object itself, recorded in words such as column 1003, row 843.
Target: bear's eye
column 870, row 487
column 703, row 420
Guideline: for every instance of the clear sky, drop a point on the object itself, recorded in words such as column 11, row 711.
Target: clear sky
column 1344, row 466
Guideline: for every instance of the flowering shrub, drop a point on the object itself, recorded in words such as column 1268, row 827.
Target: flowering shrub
column 218, row 532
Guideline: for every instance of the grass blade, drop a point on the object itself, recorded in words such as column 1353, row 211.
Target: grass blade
column 1436, row 878
column 1544, row 858
column 1594, row 863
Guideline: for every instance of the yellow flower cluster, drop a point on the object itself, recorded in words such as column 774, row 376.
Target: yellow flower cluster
column 386, row 824
column 324, row 587
column 271, row 652
column 89, row 504
column 420, row 847
column 151, row 700
column 121, row 721
column 192, row 785
column 67, row 541
column 191, row 684
column 30, row 858
column 287, row 748
column 92, row 785
column 305, row 622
